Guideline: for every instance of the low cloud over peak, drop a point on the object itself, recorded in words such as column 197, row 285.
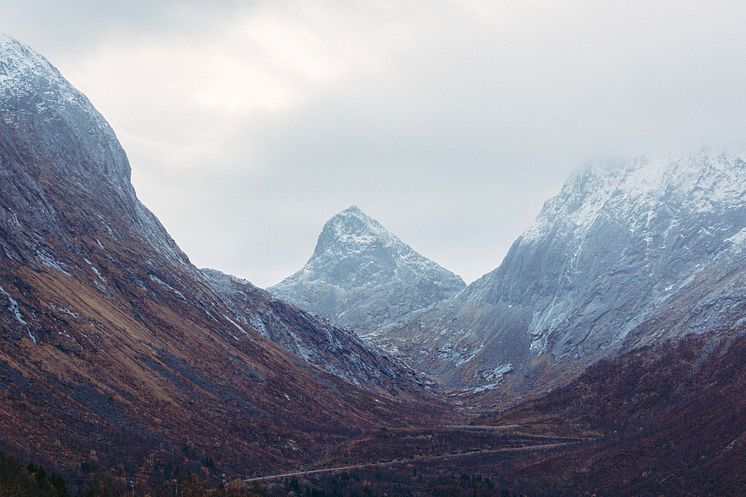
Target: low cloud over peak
column 248, row 126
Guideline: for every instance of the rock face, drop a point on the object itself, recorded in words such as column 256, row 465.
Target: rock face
column 334, row 349
column 619, row 248
column 114, row 348
column 362, row 277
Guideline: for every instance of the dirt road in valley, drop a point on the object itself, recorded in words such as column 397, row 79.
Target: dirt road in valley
column 450, row 455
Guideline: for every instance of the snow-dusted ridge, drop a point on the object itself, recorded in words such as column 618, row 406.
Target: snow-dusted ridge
column 703, row 181
column 24, row 71
column 318, row 342
column 619, row 248
column 34, row 94
column 657, row 220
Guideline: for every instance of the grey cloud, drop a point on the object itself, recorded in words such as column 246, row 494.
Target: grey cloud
column 64, row 28
column 455, row 145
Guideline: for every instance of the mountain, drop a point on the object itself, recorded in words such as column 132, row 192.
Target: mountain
column 115, row 350
column 361, row 276
column 334, row 349
column 624, row 255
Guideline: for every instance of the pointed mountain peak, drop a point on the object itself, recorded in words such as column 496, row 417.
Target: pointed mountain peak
column 361, row 275
column 353, row 212
column 18, row 59
column 352, row 230
column 33, row 86
column 7, row 41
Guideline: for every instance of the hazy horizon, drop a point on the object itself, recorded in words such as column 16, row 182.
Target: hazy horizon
column 249, row 126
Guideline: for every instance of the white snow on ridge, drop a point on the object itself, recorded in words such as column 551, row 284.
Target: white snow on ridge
column 737, row 241
column 14, row 308
column 702, row 181
column 22, row 69
column 354, row 232
column 51, row 263
column 156, row 279
column 237, row 326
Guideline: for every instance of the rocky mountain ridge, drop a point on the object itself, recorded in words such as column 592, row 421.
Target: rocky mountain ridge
column 331, row 348
column 608, row 255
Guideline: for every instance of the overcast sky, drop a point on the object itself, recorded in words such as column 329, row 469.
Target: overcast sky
column 248, row 124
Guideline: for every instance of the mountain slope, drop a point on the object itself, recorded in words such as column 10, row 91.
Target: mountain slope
column 361, row 277
column 667, row 418
column 334, row 349
column 114, row 348
column 620, row 246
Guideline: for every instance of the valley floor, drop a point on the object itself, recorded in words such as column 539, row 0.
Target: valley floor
column 394, row 447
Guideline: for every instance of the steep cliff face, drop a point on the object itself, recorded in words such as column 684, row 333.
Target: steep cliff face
column 619, row 246
column 362, row 277
column 114, row 348
column 615, row 244
column 57, row 145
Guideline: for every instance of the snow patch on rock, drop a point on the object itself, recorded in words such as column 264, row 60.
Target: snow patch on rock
column 14, row 307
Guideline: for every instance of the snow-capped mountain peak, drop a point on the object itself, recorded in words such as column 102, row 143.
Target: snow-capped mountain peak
column 15, row 58
column 360, row 275
column 352, row 235
column 352, row 229
column 23, row 70
column 30, row 82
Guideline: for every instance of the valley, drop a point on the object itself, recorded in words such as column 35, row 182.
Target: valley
column 605, row 355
